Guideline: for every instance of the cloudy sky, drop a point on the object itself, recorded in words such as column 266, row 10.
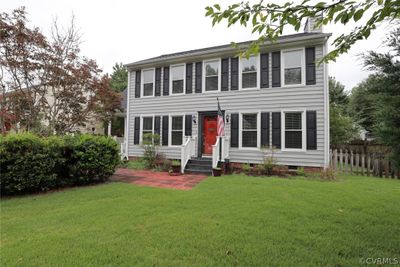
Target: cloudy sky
column 127, row 31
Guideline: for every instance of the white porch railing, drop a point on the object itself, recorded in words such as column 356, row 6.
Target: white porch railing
column 187, row 151
column 122, row 150
column 216, row 150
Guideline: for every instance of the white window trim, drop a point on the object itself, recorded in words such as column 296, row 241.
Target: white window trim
column 142, row 82
column 241, row 129
column 141, row 126
column 204, row 76
column 303, row 131
column 258, row 65
column 303, row 67
column 171, row 81
column 170, row 129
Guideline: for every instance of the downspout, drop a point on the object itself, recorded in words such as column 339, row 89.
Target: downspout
column 326, row 108
column 127, row 111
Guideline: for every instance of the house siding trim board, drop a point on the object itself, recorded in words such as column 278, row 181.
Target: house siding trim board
column 256, row 100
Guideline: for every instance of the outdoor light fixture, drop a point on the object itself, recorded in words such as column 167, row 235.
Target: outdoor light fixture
column 227, row 118
column 194, row 119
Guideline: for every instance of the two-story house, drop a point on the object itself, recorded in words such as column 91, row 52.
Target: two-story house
column 277, row 99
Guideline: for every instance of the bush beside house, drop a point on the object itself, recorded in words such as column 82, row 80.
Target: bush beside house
column 29, row 163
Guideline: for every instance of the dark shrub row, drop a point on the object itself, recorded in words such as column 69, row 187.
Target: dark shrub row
column 29, row 163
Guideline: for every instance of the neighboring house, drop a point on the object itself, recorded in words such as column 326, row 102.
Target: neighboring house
column 278, row 99
column 93, row 125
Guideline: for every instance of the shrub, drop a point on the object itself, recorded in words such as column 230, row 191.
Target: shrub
column 150, row 155
column 27, row 164
column 269, row 162
column 93, row 159
column 246, row 168
column 301, row 172
column 31, row 164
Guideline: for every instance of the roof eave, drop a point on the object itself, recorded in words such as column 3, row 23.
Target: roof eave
column 219, row 50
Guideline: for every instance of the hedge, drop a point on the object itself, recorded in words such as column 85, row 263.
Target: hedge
column 30, row 164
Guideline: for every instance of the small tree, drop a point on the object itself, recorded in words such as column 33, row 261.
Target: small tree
column 342, row 127
column 119, row 78
column 386, row 94
column 150, row 145
column 45, row 81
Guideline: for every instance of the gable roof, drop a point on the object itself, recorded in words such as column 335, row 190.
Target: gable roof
column 225, row 48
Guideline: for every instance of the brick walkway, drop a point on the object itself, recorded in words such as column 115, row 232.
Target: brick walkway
column 157, row 179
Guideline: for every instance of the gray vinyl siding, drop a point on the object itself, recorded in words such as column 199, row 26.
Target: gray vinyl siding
column 271, row 99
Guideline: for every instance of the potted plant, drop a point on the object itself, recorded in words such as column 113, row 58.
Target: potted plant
column 176, row 166
column 217, row 171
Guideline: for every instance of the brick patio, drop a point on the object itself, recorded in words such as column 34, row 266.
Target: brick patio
column 157, row 179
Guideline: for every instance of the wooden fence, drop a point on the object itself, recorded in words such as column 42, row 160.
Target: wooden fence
column 359, row 162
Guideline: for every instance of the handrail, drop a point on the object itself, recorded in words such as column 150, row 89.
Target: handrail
column 187, row 151
column 122, row 152
column 215, row 153
column 216, row 150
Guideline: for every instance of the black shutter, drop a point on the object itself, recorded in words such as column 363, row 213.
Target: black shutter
column 310, row 65
column 136, row 136
column 164, row 131
column 157, row 120
column 188, row 125
column 234, row 73
column 224, row 74
column 276, row 129
column 158, row 82
column 311, row 122
column 199, row 78
column 265, row 129
column 264, row 70
column 189, row 78
column 166, row 81
column 234, row 130
column 276, row 69
column 137, row 84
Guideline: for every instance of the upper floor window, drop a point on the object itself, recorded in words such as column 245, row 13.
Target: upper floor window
column 249, row 130
column 249, row 72
column 211, row 75
column 293, row 130
column 177, row 79
column 148, row 82
column 176, row 130
column 293, row 67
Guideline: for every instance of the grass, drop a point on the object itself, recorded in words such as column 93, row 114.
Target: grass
column 137, row 164
column 232, row 220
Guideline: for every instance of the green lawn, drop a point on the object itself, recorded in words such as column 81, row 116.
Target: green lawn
column 234, row 220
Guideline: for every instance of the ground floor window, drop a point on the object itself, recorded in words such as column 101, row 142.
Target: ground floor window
column 249, row 130
column 176, row 130
column 293, row 130
column 147, row 127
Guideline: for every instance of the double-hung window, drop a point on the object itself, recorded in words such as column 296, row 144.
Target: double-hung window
column 211, row 75
column 148, row 82
column 293, row 130
column 147, row 129
column 176, row 130
column 177, row 79
column 293, row 62
column 249, row 130
column 249, row 72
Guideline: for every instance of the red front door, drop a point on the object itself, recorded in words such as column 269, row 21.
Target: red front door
column 209, row 133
